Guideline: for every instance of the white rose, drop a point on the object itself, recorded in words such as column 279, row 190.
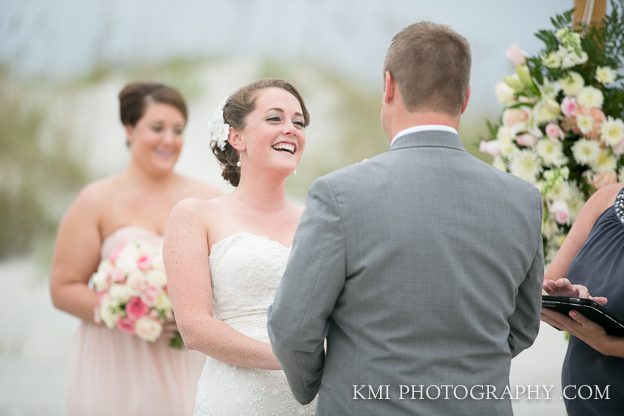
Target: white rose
column 109, row 313
column 120, row 293
column 147, row 329
column 127, row 259
column 100, row 281
column 156, row 277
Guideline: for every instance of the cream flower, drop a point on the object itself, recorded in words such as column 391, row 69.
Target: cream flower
column 545, row 111
column 552, row 60
column 589, row 97
column 612, row 131
column 605, row 75
column 504, row 93
column 156, row 277
column 572, row 83
column 499, row 164
column 147, row 328
column 525, row 165
column 120, row 293
column 586, row 151
column 605, row 162
column 504, row 135
column 551, row 152
column 491, row 147
column 585, row 123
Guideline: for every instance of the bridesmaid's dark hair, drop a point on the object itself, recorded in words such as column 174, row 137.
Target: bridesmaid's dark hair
column 235, row 111
column 134, row 98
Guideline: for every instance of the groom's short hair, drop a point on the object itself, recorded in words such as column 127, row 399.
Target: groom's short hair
column 430, row 64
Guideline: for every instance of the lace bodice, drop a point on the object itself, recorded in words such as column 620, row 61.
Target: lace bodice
column 245, row 271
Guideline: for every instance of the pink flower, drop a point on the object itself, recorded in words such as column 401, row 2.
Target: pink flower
column 602, row 179
column 149, row 295
column 515, row 54
column 618, row 149
column 144, row 263
column 135, row 308
column 513, row 116
column 568, row 107
column 526, row 140
column 597, row 116
column 554, row 131
column 491, row 148
column 569, row 124
column 126, row 325
column 561, row 211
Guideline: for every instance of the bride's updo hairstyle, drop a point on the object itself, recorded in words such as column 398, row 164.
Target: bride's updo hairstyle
column 134, row 98
column 235, row 111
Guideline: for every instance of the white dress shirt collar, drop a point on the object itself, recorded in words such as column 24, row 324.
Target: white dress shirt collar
column 424, row 127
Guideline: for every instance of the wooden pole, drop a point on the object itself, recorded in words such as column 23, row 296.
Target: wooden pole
column 597, row 14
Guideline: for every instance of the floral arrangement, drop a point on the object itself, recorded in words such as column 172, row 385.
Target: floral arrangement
column 132, row 289
column 562, row 127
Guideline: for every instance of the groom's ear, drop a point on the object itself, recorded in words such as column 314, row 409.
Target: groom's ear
column 465, row 101
column 389, row 86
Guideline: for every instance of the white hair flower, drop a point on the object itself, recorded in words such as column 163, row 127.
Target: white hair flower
column 219, row 130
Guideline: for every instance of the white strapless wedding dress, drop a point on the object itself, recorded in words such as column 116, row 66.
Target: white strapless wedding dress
column 246, row 270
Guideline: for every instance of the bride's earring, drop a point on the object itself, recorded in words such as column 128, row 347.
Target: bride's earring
column 238, row 164
column 295, row 172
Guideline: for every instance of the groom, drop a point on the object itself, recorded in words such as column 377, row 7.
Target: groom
column 421, row 268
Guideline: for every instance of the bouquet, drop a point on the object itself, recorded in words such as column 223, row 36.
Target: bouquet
column 132, row 289
column 562, row 127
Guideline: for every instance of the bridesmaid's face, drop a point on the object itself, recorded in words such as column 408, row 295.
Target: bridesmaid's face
column 274, row 133
column 157, row 138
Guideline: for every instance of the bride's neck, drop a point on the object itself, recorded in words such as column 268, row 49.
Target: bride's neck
column 263, row 192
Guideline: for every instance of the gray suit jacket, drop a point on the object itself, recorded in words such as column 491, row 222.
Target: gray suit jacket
column 421, row 266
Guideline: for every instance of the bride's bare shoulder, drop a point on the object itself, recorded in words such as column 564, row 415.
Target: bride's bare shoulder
column 198, row 209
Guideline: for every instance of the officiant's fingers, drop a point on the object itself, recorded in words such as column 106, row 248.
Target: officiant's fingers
column 600, row 300
column 587, row 324
column 547, row 316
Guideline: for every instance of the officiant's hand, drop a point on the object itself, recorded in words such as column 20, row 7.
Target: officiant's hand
column 586, row 330
column 563, row 287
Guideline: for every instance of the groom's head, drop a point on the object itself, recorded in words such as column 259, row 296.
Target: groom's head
column 429, row 64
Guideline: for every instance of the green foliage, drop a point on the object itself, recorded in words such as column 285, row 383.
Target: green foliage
column 31, row 171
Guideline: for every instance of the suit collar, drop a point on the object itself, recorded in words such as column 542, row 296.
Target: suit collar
column 431, row 138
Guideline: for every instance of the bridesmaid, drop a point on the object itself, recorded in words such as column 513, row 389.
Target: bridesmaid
column 113, row 372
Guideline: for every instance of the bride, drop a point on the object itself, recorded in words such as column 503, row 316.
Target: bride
column 225, row 257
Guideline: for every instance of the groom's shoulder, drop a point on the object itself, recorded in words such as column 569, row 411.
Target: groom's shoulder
column 354, row 173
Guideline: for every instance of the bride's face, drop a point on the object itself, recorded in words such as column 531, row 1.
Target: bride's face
column 156, row 139
column 274, row 133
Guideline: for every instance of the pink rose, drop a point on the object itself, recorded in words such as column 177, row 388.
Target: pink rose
column 149, row 295
column 144, row 263
column 515, row 54
column 561, row 211
column 602, row 179
column 554, row 131
column 526, row 140
column 126, row 325
column 135, row 308
column 491, row 148
column 618, row 149
column 513, row 116
column 568, row 107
